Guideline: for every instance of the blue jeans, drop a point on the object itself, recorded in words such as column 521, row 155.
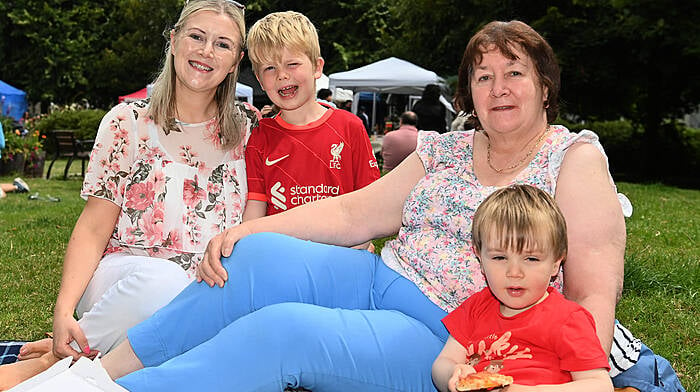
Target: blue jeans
column 651, row 373
column 292, row 314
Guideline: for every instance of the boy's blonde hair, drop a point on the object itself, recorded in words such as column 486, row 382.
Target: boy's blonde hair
column 162, row 101
column 520, row 216
column 279, row 30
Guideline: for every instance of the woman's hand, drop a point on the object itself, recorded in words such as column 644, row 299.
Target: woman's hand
column 210, row 269
column 87, row 243
column 65, row 330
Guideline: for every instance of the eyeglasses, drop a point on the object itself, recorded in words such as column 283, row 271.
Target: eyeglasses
column 235, row 3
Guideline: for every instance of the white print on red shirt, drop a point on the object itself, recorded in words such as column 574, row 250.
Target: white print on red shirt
column 336, row 149
column 500, row 348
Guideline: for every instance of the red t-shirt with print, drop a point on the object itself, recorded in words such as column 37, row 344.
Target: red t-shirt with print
column 538, row 346
column 290, row 165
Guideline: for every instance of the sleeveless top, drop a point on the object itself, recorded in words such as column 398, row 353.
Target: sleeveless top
column 433, row 246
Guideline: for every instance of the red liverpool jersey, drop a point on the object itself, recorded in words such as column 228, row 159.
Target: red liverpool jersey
column 290, row 165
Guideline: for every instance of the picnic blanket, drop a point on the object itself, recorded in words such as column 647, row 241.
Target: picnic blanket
column 9, row 349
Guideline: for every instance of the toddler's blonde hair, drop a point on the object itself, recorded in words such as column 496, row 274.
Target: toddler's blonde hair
column 521, row 216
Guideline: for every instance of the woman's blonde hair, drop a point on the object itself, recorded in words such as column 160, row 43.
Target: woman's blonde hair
column 162, row 103
column 520, row 216
column 278, row 30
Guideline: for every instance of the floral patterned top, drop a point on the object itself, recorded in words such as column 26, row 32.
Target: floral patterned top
column 175, row 191
column 433, row 247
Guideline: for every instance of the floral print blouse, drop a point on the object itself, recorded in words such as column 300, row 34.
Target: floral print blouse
column 176, row 189
column 433, row 246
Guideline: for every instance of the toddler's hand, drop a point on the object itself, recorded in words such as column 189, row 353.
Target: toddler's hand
column 461, row 370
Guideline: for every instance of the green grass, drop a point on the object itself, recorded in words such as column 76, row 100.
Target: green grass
column 661, row 300
column 660, row 303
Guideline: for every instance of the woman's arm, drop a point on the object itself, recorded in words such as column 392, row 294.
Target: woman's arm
column 350, row 219
column 85, row 247
column 593, row 270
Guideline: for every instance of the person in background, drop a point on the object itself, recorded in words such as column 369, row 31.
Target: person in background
column 519, row 322
column 347, row 105
column 18, row 185
column 164, row 177
column 362, row 114
column 325, row 96
column 430, row 111
column 399, row 144
column 309, row 150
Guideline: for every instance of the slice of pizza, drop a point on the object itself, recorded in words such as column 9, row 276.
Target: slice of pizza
column 483, row 380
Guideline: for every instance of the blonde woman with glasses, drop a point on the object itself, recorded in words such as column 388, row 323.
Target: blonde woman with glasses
column 165, row 176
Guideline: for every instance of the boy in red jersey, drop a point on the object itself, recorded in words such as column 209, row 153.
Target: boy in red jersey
column 309, row 151
column 519, row 326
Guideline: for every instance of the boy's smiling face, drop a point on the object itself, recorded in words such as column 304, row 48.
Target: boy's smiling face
column 290, row 80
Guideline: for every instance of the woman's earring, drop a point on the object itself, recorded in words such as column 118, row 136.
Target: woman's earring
column 546, row 104
column 473, row 113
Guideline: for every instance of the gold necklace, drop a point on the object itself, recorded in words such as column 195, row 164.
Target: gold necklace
column 520, row 162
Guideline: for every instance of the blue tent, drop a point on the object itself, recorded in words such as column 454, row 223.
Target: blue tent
column 13, row 100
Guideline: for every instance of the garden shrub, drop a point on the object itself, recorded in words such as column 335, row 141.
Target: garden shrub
column 83, row 121
column 674, row 158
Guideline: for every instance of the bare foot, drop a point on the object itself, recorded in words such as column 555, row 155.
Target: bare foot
column 35, row 349
column 14, row 373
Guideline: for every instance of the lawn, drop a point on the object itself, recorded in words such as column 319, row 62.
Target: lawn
column 660, row 303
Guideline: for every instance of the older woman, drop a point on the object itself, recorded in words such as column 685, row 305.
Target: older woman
column 165, row 176
column 289, row 312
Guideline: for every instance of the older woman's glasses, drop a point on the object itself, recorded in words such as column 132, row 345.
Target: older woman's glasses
column 235, row 3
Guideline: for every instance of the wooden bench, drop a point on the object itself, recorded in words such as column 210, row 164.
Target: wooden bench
column 67, row 146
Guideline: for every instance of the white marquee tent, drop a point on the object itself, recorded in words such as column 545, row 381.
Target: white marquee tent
column 391, row 75
column 244, row 91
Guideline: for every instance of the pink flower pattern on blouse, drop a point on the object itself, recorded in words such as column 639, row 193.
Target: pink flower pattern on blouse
column 174, row 192
column 433, row 246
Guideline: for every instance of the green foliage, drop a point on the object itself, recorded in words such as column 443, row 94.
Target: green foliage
column 677, row 156
column 351, row 33
column 84, row 122
column 626, row 58
column 29, row 144
column 67, row 52
column 662, row 275
column 8, row 123
column 53, row 41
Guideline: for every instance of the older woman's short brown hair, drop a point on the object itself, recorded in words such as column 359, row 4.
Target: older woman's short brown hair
column 506, row 36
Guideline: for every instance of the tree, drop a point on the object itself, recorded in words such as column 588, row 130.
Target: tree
column 132, row 55
column 50, row 49
column 68, row 51
column 350, row 32
column 633, row 59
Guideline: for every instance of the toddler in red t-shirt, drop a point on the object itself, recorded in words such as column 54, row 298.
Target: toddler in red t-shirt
column 519, row 326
